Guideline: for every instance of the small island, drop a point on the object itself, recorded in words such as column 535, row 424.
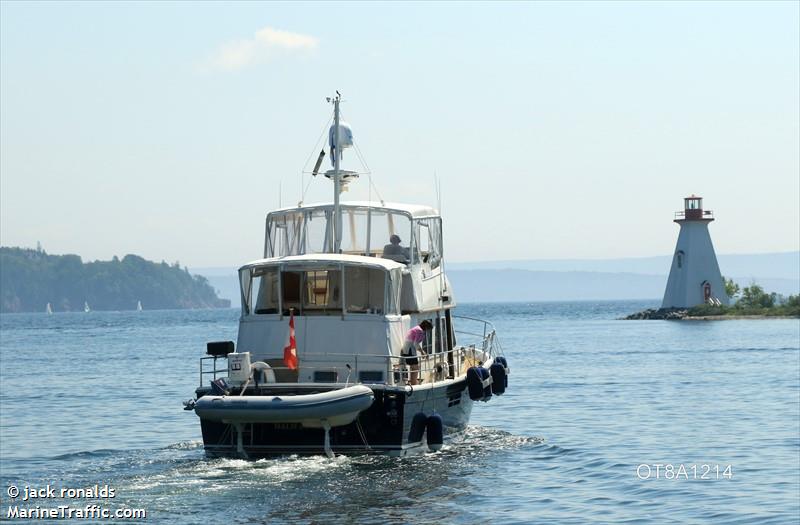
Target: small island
column 751, row 302
column 35, row 281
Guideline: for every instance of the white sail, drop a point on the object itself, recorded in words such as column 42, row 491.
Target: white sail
column 86, row 307
column 139, row 306
column 49, row 309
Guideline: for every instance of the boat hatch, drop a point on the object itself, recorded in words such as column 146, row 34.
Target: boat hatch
column 320, row 288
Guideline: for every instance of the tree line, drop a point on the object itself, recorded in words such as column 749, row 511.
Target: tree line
column 30, row 279
column 751, row 300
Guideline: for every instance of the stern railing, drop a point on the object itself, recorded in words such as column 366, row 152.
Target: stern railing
column 475, row 344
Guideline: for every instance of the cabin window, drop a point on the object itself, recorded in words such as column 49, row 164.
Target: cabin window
column 290, row 286
column 322, row 291
column 311, row 292
column 285, row 235
column 318, row 232
column 259, row 289
column 394, row 296
column 428, row 241
column 354, row 231
column 265, row 290
column 383, row 225
column 244, row 287
column 365, row 289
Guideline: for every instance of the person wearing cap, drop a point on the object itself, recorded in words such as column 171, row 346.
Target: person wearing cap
column 412, row 349
column 394, row 251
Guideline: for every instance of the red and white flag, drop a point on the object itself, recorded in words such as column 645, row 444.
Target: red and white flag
column 290, row 350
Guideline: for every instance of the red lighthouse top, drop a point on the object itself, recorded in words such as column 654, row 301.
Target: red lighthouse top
column 693, row 210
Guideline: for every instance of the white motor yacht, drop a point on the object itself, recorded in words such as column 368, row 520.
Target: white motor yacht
column 321, row 363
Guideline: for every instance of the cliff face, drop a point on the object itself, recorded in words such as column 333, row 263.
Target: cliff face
column 29, row 279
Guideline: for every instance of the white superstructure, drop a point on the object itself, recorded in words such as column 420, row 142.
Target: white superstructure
column 694, row 277
column 326, row 358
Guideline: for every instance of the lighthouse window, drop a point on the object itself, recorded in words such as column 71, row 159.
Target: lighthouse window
column 679, row 258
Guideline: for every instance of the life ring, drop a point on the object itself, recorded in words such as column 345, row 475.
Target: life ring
column 262, row 369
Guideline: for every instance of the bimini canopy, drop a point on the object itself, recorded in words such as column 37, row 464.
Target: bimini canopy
column 327, row 284
column 367, row 229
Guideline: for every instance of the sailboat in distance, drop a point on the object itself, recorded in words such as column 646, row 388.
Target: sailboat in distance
column 49, row 309
column 138, row 306
column 86, row 307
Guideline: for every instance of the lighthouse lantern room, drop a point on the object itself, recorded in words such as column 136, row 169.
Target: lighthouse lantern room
column 694, row 277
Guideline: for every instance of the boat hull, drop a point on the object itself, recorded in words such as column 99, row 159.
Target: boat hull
column 386, row 426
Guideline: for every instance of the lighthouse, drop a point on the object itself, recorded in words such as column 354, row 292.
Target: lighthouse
column 694, row 277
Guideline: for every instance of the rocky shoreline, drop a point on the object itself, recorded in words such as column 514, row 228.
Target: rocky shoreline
column 661, row 314
column 682, row 314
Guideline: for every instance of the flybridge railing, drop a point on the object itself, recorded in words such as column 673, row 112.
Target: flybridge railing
column 475, row 346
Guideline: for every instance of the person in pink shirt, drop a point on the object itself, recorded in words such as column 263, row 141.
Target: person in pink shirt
column 412, row 348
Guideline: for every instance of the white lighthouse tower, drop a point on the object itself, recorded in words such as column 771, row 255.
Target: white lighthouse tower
column 694, row 277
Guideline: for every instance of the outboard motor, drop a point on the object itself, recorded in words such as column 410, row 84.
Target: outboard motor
column 479, row 383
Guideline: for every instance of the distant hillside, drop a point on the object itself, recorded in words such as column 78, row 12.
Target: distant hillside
column 525, row 285
column 758, row 266
column 29, row 279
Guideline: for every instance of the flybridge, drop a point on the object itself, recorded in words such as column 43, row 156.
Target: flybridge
column 368, row 229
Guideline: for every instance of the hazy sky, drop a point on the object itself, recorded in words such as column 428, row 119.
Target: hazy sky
column 558, row 130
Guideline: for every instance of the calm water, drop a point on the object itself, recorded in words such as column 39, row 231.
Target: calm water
column 95, row 398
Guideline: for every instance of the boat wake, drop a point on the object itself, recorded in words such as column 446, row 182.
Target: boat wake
column 180, row 472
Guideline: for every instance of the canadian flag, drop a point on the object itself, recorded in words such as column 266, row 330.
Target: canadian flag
column 290, row 350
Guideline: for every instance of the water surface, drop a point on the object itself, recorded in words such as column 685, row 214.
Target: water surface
column 96, row 399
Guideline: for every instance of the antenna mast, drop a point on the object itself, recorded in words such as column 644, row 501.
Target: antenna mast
column 337, row 212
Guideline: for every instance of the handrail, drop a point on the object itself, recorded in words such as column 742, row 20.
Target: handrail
column 705, row 213
column 435, row 366
column 440, row 364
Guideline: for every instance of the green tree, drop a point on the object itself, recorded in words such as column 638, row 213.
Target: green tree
column 731, row 288
column 793, row 301
column 754, row 296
